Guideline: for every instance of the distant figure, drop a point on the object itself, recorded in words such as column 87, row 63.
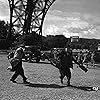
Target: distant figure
column 55, row 52
column 89, row 56
column 80, row 57
column 85, row 59
column 16, row 63
column 92, row 59
column 66, row 59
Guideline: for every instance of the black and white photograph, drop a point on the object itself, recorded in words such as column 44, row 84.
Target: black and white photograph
column 49, row 49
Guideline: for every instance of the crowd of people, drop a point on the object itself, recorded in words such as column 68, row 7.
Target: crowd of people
column 87, row 57
column 81, row 57
column 64, row 57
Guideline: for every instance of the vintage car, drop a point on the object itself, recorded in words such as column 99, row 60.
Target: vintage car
column 97, row 56
column 32, row 53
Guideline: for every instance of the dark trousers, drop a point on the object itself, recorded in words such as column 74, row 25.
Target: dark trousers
column 19, row 71
column 65, row 72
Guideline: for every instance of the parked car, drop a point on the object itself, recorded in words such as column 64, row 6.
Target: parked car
column 97, row 56
column 32, row 53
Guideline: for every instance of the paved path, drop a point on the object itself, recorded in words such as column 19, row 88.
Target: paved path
column 45, row 83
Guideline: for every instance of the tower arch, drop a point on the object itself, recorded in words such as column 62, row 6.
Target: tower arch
column 27, row 16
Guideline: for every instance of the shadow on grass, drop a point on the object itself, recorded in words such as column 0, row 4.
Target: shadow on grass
column 44, row 85
column 85, row 88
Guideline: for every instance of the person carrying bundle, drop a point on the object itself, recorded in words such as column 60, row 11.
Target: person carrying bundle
column 16, row 64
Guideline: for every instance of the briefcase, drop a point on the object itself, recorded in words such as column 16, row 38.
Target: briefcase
column 83, row 68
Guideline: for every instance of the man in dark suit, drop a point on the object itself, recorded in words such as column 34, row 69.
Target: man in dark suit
column 66, row 60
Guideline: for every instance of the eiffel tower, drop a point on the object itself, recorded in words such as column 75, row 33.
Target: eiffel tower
column 27, row 16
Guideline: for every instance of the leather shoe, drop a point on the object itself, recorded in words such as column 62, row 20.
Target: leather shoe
column 13, row 81
column 26, row 82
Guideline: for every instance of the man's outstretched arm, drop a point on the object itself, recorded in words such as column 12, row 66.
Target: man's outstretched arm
column 80, row 65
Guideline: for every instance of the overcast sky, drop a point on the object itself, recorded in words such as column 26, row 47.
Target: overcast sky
column 68, row 17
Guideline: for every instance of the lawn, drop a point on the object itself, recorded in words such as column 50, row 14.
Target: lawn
column 45, row 83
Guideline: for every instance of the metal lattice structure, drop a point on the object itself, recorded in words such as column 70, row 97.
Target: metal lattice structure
column 28, row 15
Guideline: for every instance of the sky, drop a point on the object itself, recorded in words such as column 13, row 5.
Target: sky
column 68, row 17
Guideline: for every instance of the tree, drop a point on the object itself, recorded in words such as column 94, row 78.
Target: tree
column 60, row 41
column 3, row 33
column 32, row 39
column 5, row 41
column 57, row 41
column 3, row 29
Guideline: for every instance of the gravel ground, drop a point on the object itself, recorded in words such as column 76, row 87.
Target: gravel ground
column 45, row 83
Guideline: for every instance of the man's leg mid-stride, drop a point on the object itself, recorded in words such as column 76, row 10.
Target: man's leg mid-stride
column 68, row 75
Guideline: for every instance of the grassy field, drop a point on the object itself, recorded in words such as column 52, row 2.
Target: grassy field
column 45, row 83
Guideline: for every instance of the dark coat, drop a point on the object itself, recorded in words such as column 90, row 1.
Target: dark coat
column 66, row 59
column 16, row 61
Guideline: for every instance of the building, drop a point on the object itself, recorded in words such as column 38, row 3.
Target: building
column 74, row 38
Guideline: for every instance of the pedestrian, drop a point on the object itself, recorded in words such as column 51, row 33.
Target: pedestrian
column 92, row 59
column 85, row 59
column 16, row 63
column 66, row 60
column 80, row 57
